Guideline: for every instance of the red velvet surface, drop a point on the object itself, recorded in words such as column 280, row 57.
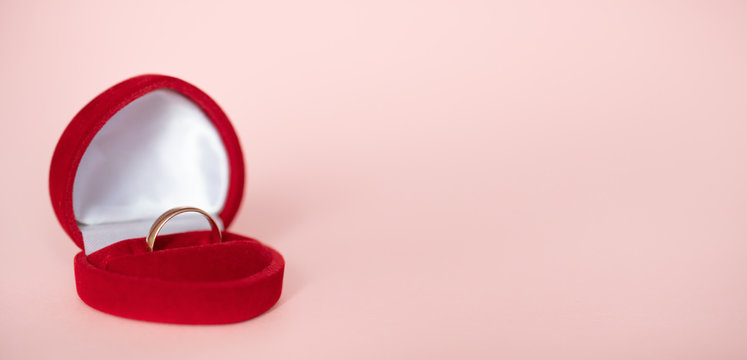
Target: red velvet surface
column 186, row 280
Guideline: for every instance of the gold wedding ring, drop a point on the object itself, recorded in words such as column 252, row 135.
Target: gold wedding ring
column 165, row 217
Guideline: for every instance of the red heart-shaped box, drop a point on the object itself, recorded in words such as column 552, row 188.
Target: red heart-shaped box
column 146, row 145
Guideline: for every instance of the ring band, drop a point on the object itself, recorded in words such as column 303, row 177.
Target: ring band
column 165, row 217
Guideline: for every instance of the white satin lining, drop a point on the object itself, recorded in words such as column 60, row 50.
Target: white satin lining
column 158, row 152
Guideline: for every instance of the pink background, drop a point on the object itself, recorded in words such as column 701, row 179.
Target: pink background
column 467, row 179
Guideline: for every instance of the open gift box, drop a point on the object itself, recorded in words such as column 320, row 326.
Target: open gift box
column 144, row 146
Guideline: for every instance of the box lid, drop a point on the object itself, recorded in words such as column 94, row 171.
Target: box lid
column 145, row 145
